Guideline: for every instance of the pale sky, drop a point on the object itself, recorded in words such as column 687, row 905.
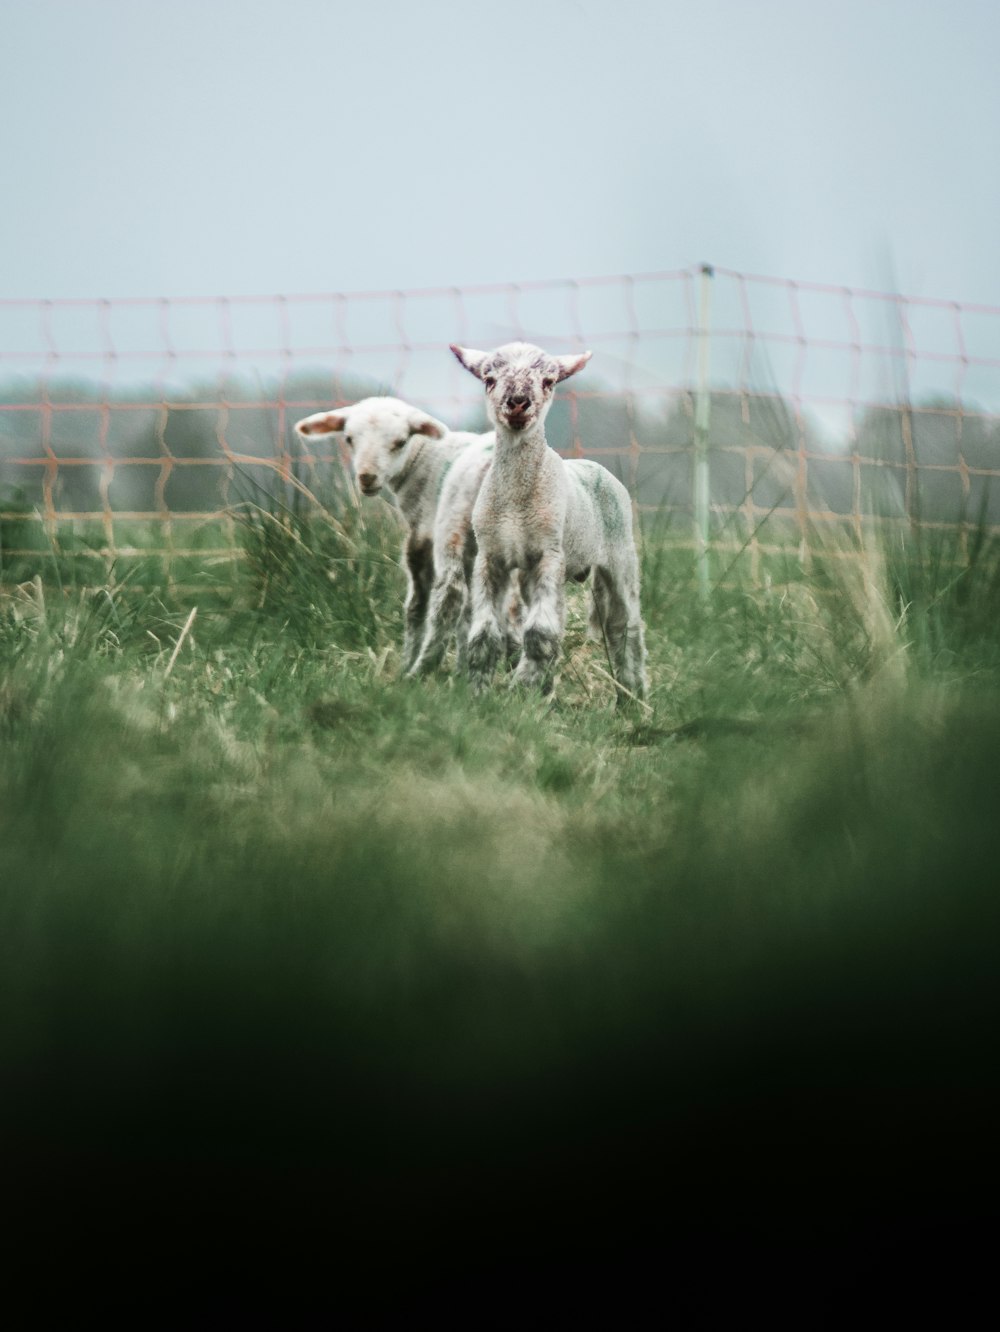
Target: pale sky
column 209, row 147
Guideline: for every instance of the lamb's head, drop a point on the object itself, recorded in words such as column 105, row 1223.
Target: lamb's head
column 381, row 434
column 520, row 380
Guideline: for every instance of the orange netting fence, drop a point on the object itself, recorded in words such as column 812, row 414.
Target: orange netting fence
column 134, row 425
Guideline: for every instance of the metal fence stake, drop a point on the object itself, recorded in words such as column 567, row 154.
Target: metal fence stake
column 702, row 414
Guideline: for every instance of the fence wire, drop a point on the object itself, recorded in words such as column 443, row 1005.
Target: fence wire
column 137, row 426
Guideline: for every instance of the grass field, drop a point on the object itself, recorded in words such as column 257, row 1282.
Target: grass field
column 476, row 982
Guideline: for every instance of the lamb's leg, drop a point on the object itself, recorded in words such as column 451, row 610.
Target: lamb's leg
column 633, row 675
column 446, row 611
column 420, row 569
column 465, row 614
column 486, row 634
column 634, row 667
column 543, row 589
column 615, row 614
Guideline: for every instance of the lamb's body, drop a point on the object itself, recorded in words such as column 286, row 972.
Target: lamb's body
column 434, row 475
column 549, row 520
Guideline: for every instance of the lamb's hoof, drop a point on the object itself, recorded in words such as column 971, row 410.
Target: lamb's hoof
column 519, row 684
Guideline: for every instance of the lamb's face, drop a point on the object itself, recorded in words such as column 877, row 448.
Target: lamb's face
column 380, row 434
column 519, row 380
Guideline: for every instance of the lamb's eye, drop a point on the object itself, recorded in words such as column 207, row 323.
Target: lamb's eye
column 547, row 384
column 489, row 381
column 397, row 444
column 349, row 441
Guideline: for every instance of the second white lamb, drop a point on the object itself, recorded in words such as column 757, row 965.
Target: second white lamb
column 434, row 474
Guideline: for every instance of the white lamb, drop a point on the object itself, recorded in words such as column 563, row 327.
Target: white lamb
column 432, row 472
column 550, row 520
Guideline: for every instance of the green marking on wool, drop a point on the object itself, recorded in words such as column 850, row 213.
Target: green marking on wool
column 595, row 478
column 441, row 479
column 614, row 519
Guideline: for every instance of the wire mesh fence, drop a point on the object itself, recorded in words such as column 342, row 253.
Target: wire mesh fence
column 135, row 427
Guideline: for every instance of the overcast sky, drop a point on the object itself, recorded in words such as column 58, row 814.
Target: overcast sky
column 203, row 147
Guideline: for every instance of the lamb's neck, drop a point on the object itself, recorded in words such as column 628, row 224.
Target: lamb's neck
column 520, row 451
column 423, row 466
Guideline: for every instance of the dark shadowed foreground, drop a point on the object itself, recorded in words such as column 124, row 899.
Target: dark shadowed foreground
column 347, row 996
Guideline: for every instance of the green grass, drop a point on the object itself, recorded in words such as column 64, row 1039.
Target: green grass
column 267, row 909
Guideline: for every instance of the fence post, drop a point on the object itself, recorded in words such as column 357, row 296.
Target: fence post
column 702, row 412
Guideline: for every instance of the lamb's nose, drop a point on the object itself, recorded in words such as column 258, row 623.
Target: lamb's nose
column 367, row 480
column 518, row 401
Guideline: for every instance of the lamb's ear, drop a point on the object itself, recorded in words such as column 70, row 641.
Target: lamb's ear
column 569, row 365
column 422, row 424
column 321, row 423
column 471, row 359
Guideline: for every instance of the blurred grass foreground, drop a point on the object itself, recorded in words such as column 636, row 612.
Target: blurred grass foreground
column 412, row 988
